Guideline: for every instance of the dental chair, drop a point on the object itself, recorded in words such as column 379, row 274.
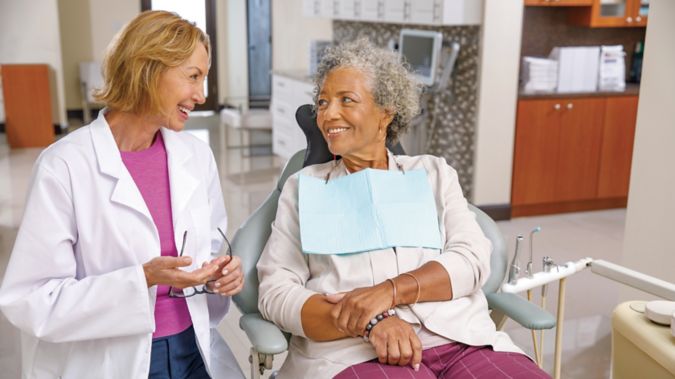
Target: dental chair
column 268, row 340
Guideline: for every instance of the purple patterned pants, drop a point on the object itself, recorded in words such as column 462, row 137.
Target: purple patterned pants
column 453, row 360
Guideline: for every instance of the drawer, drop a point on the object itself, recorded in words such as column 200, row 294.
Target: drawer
column 292, row 92
column 282, row 110
column 287, row 137
column 304, row 94
column 282, row 87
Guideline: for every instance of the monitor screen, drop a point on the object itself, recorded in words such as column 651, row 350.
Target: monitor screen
column 420, row 48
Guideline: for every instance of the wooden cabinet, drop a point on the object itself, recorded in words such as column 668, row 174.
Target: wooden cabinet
column 572, row 154
column 612, row 13
column 558, row 3
column 617, row 146
column 28, row 105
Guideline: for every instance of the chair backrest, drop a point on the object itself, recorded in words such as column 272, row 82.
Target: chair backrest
column 499, row 258
column 251, row 237
column 317, row 149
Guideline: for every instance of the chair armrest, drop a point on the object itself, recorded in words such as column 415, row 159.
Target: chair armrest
column 265, row 337
column 521, row 311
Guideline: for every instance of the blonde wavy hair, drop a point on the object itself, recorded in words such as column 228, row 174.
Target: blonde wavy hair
column 138, row 55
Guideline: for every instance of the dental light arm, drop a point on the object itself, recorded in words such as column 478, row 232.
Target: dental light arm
column 634, row 279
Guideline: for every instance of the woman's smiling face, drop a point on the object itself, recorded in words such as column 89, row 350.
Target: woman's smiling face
column 351, row 122
column 182, row 88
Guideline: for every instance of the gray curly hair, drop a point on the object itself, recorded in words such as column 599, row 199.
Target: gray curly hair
column 392, row 85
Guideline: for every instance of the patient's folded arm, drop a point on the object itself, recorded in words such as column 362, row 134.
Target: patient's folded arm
column 317, row 321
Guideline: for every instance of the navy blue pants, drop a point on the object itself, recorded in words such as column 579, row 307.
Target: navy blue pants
column 177, row 357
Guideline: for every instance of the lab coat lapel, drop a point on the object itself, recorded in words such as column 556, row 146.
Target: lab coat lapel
column 182, row 179
column 110, row 163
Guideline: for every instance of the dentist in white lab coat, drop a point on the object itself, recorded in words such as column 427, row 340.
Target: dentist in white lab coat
column 98, row 249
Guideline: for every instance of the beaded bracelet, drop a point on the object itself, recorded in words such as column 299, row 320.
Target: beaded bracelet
column 375, row 320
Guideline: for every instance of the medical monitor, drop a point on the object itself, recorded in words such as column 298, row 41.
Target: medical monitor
column 421, row 49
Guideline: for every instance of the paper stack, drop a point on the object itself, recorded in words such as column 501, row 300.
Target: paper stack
column 539, row 74
column 612, row 72
column 577, row 68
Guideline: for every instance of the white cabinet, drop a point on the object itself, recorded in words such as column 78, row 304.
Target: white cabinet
column 369, row 10
column 288, row 94
column 425, row 11
column 327, row 8
column 421, row 12
column 461, row 12
column 395, row 11
column 346, row 9
column 319, row 8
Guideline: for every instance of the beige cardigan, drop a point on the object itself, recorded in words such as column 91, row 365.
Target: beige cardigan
column 288, row 277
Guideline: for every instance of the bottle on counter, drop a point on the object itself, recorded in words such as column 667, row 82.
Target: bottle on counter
column 636, row 64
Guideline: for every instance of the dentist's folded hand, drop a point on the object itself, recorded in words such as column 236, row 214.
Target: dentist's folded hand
column 229, row 279
column 166, row 270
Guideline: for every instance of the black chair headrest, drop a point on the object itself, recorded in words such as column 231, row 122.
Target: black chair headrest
column 317, row 149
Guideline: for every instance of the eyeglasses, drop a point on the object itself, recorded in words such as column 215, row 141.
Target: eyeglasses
column 192, row 291
column 228, row 252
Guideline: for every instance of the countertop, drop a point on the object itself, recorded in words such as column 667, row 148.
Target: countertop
column 632, row 89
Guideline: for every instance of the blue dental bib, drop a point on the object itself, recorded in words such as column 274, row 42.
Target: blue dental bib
column 367, row 210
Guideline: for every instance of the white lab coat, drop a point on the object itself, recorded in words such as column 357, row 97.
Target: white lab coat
column 75, row 285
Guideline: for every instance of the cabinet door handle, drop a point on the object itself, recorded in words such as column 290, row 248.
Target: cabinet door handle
column 556, row 107
column 638, row 19
column 629, row 19
column 570, row 105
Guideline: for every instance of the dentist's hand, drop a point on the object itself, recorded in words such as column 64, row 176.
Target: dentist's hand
column 166, row 270
column 228, row 280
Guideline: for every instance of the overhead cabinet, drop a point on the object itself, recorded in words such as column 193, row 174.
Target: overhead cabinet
column 558, row 3
column 421, row 12
column 612, row 13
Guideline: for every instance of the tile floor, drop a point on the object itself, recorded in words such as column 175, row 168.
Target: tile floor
column 246, row 181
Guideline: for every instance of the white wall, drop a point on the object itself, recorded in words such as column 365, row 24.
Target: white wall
column 235, row 53
column 649, row 239
column 108, row 18
column 221, row 50
column 29, row 33
column 292, row 33
column 74, row 19
column 497, row 100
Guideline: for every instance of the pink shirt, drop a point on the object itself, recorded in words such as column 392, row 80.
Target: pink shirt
column 150, row 172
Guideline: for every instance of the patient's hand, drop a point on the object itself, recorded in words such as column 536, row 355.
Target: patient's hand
column 396, row 343
column 354, row 309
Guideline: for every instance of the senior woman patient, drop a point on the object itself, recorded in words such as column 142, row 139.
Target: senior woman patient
column 375, row 264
